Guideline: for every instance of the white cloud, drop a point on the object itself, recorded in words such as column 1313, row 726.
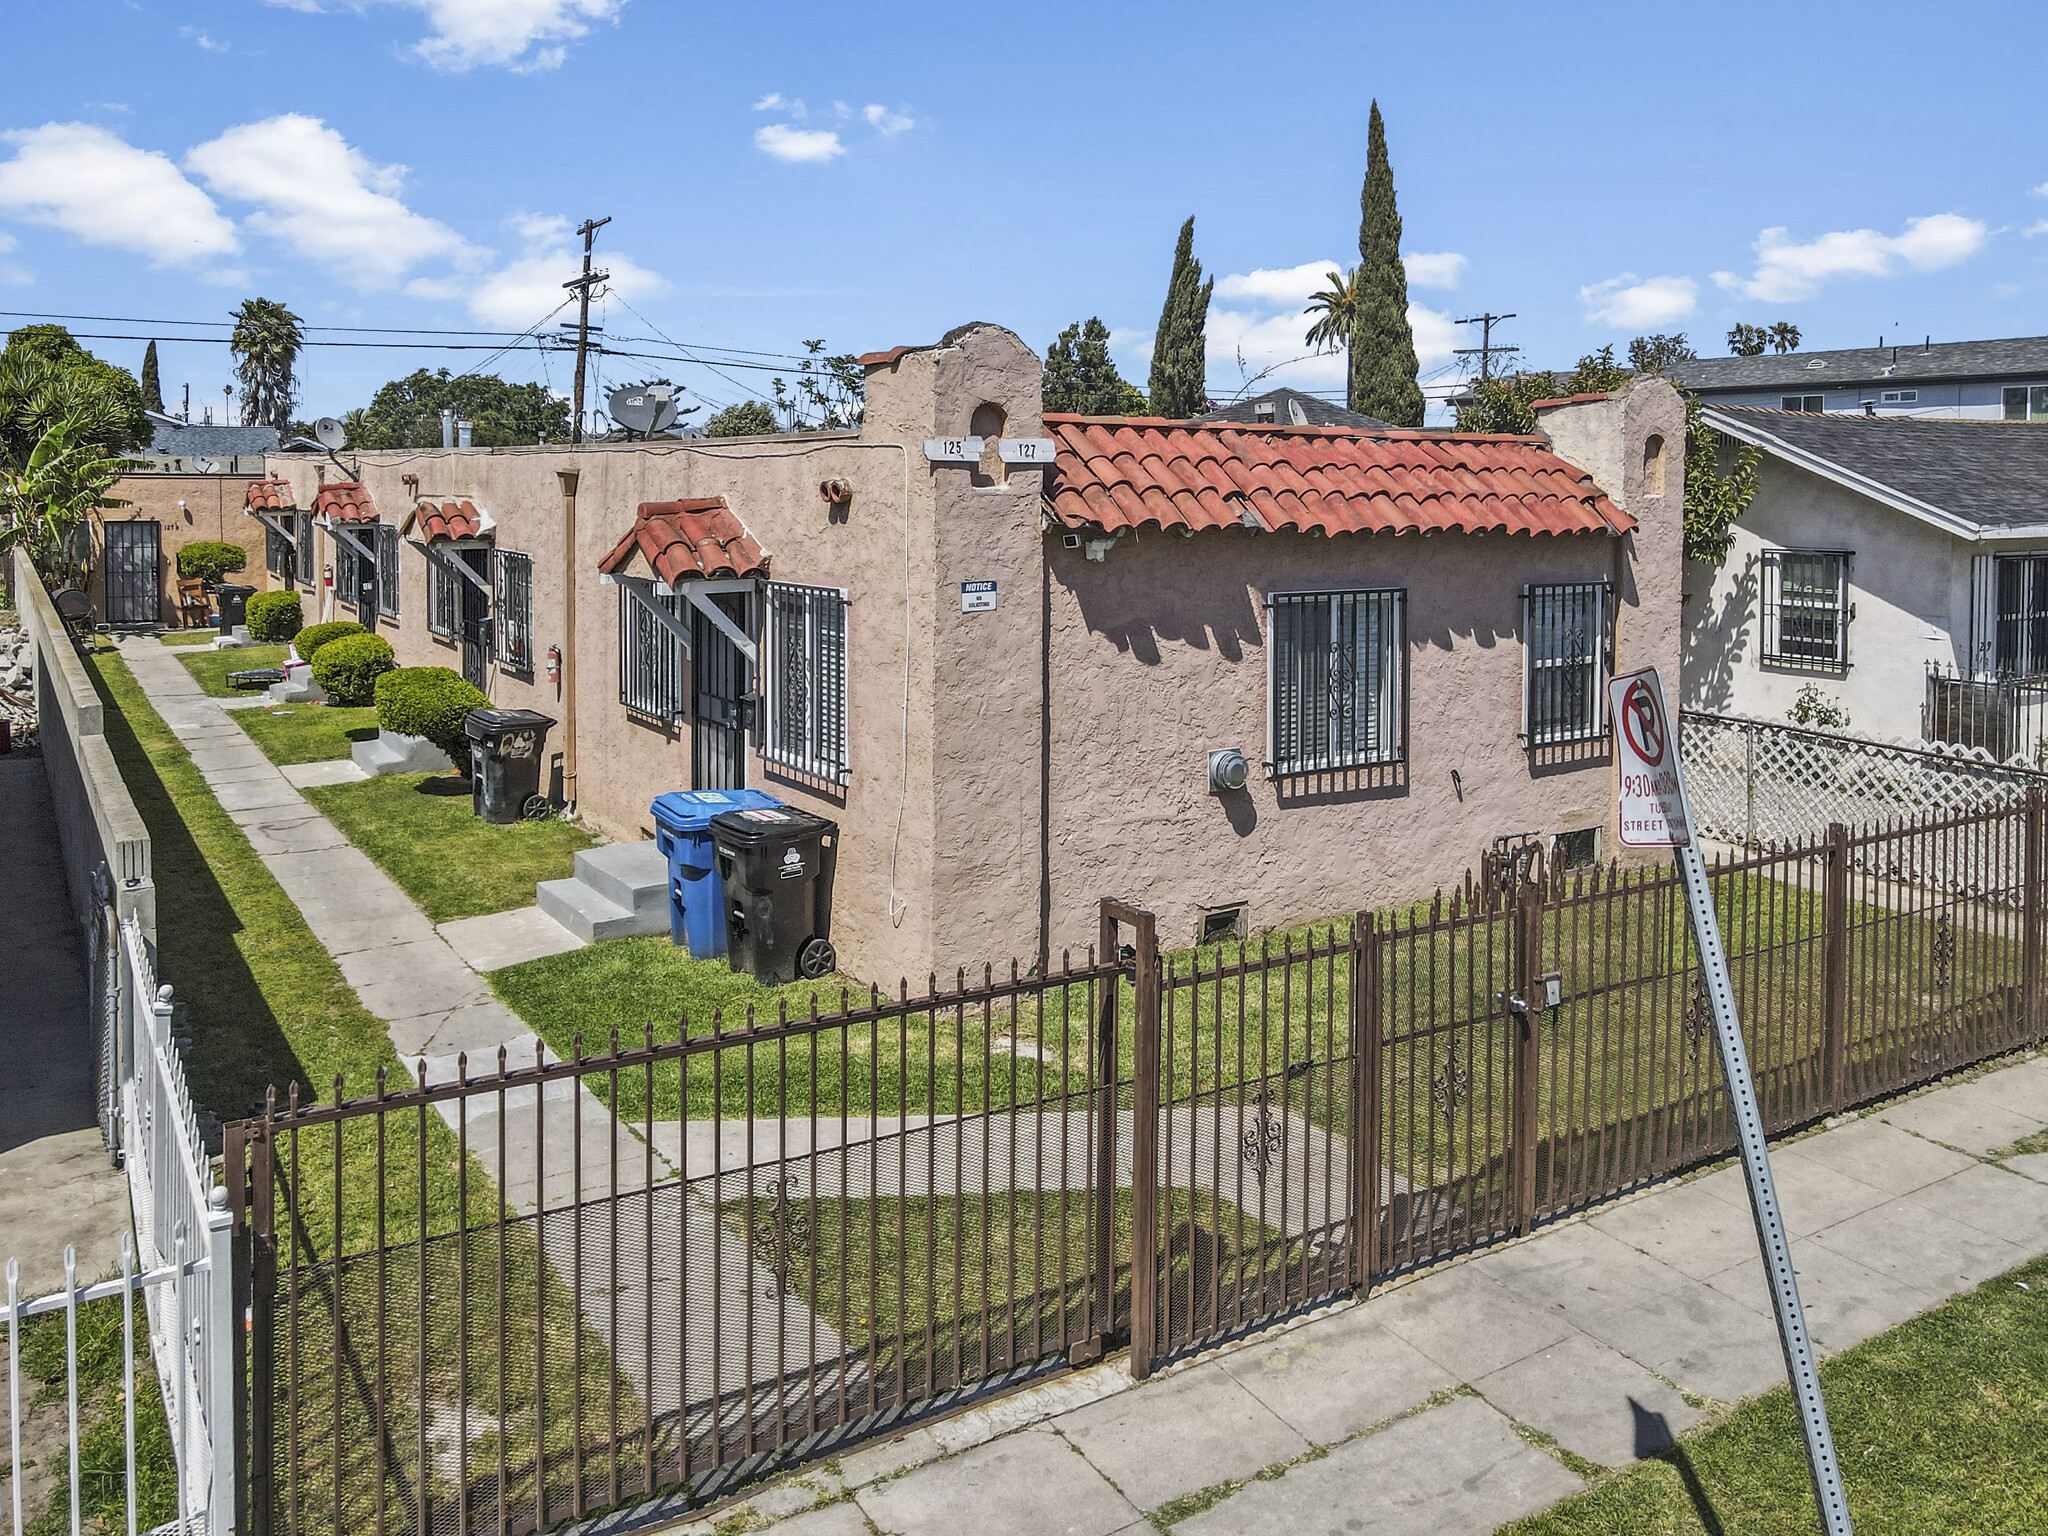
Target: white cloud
column 2041, row 190
column 1260, row 326
column 91, row 184
column 2007, row 290
column 1433, row 269
column 530, row 285
column 1436, row 334
column 10, row 275
column 1628, row 302
column 888, row 124
column 520, row 35
column 206, row 43
column 325, row 200
column 775, row 101
column 1289, row 286
column 1787, row 270
column 2036, row 229
column 813, row 145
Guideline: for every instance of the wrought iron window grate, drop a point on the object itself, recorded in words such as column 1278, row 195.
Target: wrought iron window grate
column 651, row 658
column 513, row 583
column 804, row 672
column 444, row 595
column 1337, row 680
column 1806, row 610
column 387, row 572
column 1564, row 635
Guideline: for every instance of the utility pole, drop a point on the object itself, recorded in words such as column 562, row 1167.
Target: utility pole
column 1486, row 350
column 588, row 230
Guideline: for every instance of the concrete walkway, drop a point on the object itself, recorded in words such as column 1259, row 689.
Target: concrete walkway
column 1426, row 1409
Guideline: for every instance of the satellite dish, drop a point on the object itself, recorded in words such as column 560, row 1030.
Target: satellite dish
column 644, row 410
column 207, row 466
column 330, row 434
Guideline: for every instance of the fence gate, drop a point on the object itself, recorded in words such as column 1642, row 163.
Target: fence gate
column 134, row 574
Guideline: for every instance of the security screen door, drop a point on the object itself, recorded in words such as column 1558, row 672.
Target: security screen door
column 720, row 706
column 134, row 572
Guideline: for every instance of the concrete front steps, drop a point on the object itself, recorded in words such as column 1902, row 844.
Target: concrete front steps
column 619, row 891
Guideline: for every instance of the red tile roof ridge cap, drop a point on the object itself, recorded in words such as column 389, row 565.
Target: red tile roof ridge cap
column 648, row 509
column 1579, row 399
column 879, row 359
column 1402, row 434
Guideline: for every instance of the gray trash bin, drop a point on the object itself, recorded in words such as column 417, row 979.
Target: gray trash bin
column 506, row 748
column 777, row 864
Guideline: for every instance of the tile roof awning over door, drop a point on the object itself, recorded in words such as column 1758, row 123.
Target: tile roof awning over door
column 685, row 540
column 345, row 501
column 436, row 522
column 268, row 496
column 1114, row 473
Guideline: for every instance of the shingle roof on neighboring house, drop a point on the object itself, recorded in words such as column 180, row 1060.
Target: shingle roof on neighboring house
column 212, row 442
column 1990, row 475
column 268, row 496
column 682, row 539
column 1285, row 402
column 345, row 501
column 451, row 519
column 1113, row 473
column 2016, row 357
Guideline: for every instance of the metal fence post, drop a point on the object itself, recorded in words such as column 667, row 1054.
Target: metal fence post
column 1145, row 1070
column 2030, row 944
column 1834, row 917
column 1528, row 954
column 1749, row 789
column 1105, row 1130
column 1366, row 972
column 221, row 1325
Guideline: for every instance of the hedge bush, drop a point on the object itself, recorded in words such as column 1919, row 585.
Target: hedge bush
column 274, row 617
column 348, row 668
column 313, row 636
column 209, row 560
column 430, row 702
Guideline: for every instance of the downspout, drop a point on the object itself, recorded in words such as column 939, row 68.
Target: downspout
column 1044, row 754
column 568, row 477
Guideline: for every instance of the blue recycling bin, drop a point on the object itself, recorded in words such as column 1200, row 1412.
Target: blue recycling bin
column 696, row 893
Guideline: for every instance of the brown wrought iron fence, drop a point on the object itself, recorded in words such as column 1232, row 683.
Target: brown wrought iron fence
column 515, row 1298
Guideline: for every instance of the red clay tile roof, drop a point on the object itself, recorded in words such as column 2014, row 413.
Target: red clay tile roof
column 682, row 539
column 438, row 520
column 877, row 359
column 268, row 496
column 345, row 501
column 1118, row 472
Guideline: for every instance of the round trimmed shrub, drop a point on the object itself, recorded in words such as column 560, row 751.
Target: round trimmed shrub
column 274, row 617
column 348, row 668
column 208, row 560
column 430, row 702
column 313, row 636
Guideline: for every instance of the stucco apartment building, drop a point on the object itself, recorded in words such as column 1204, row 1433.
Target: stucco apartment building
column 1000, row 648
column 135, row 565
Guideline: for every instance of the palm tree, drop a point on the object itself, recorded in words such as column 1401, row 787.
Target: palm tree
column 1785, row 336
column 1335, row 307
column 266, row 345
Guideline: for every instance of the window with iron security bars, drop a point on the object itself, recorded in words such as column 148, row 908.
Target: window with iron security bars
column 275, row 551
column 1806, row 610
column 347, row 580
column 305, row 570
column 1336, row 680
column 1564, row 644
column 444, row 594
column 651, row 658
column 2021, row 625
column 387, row 572
column 804, row 676
column 514, row 605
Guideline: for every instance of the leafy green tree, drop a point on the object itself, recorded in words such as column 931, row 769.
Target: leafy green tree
column 1080, row 377
column 828, row 395
column 1383, row 365
column 46, row 378
column 266, row 344
column 1180, row 359
column 1748, row 340
column 152, row 387
column 1654, row 354
column 749, row 418
column 1817, row 710
column 1785, row 336
column 60, row 486
column 406, row 413
column 1714, row 498
column 1508, row 404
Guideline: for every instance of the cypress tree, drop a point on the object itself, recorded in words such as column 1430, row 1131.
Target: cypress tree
column 1179, row 352
column 1383, row 365
column 152, row 391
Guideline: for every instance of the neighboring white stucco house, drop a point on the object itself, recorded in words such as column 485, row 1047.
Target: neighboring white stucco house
column 1898, row 564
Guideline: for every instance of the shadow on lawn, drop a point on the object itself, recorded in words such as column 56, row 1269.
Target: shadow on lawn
column 1655, row 1442
column 238, row 1047
column 446, row 785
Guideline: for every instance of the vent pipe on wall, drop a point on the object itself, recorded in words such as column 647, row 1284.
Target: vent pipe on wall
column 447, row 429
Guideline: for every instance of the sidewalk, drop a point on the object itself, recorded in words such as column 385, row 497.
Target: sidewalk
column 1431, row 1407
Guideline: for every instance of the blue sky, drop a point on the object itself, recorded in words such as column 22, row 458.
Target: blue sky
column 876, row 175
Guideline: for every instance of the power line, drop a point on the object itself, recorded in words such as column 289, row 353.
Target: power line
column 1486, row 350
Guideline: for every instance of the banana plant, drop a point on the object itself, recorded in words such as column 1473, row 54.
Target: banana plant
column 60, row 488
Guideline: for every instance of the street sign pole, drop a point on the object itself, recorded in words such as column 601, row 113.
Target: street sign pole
column 1654, row 813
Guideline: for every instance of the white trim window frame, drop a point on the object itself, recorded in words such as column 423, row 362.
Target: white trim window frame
column 1336, row 680
column 1564, row 662
column 1805, row 610
column 802, row 725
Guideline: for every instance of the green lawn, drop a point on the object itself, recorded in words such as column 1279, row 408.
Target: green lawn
column 188, row 637
column 1941, row 1426
column 307, row 733
column 421, row 831
column 212, row 667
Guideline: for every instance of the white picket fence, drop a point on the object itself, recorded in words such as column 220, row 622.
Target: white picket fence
column 179, row 1262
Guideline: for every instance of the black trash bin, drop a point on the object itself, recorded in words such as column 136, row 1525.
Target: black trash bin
column 505, row 752
column 234, row 604
column 777, row 865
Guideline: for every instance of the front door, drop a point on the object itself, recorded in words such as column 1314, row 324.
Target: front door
column 719, row 716
column 134, row 572
column 476, row 616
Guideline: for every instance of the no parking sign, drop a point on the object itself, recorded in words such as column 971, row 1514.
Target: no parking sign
column 1646, row 752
